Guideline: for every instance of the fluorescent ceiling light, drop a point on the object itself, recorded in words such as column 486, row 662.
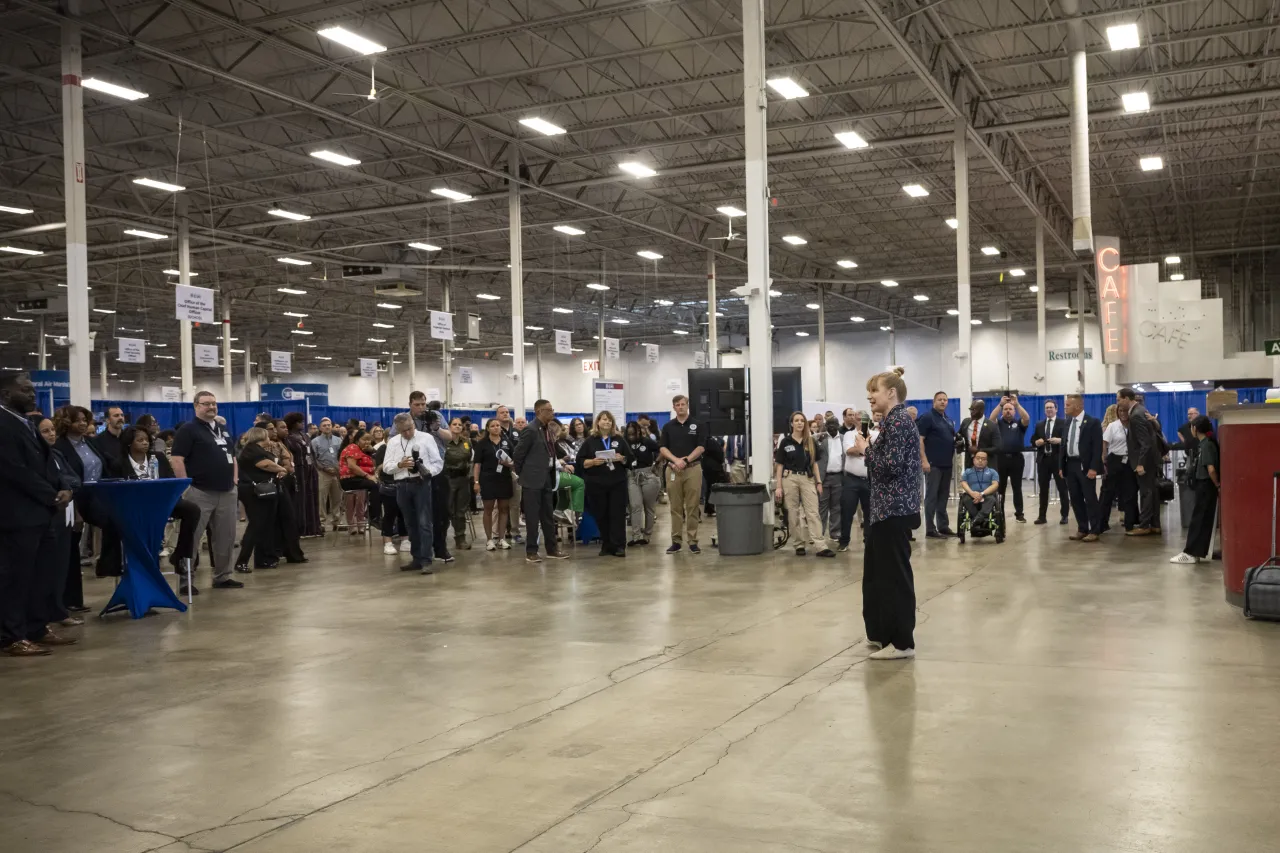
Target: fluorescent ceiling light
column 390, row 306
column 452, row 195
column 595, row 285
column 794, row 240
column 291, row 290
column 1017, row 272
column 953, row 223
column 562, row 310
column 294, row 262
column 288, row 214
column 1151, row 164
column 544, row 127
column 649, row 255
column 104, row 310
column 295, row 314
column 728, row 210
column 4, row 208
column 990, row 251
column 334, row 157
column 158, row 185
column 802, row 334
column 1123, row 37
column 384, row 325
column 1136, row 102
column 920, row 297
column 953, row 311
column 535, row 328
column 857, row 319
column 1035, row 288
column 915, row 190
column 852, row 139
column 308, row 346
column 812, row 306
column 1173, row 259
column 376, row 340
column 150, row 235
column 786, row 87
column 302, row 332
column 178, row 272
column 975, row 322
column 112, row 89
column 846, row 264
column 426, row 247
column 19, row 319
column 886, row 328
column 528, row 343
column 17, row 251
column 507, row 353
column 888, row 282
column 773, row 292
column 488, row 296
column 639, row 170
column 166, row 357
column 346, row 38
column 1174, row 386
column 238, row 351
column 1177, row 277
column 324, row 358
column 570, row 230
column 663, row 302
column 679, row 332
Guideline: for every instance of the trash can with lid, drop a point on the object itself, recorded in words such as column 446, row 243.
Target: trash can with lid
column 740, row 527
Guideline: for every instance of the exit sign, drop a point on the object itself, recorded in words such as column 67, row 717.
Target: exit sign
column 1271, row 347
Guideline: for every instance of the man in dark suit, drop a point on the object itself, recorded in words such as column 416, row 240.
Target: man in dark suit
column 1081, row 464
column 535, row 460
column 33, row 500
column 977, row 431
column 1047, row 440
column 1144, row 458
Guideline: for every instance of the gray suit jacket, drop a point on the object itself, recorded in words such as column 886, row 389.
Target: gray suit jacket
column 532, row 463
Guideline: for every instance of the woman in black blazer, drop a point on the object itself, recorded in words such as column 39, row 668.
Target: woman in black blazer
column 73, row 425
column 606, row 483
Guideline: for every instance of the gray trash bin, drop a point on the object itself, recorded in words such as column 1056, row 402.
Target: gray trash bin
column 740, row 528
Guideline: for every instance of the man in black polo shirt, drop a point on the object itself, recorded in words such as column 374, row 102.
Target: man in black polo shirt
column 205, row 452
column 683, row 443
column 1011, row 422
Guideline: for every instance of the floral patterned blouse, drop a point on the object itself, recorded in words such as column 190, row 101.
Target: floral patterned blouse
column 893, row 464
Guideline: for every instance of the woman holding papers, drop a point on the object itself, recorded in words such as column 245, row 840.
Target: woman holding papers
column 602, row 462
column 491, row 479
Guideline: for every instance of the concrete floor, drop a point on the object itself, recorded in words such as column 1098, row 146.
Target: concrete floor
column 1067, row 698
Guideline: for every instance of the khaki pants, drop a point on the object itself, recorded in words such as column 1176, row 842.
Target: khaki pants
column 800, row 497
column 684, row 490
column 329, row 500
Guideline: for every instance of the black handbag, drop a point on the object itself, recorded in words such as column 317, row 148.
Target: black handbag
column 264, row 490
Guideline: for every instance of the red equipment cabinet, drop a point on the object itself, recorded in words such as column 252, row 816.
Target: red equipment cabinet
column 1249, row 436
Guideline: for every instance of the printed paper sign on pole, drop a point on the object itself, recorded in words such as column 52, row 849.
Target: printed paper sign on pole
column 281, row 362
column 608, row 394
column 206, row 355
column 465, row 376
column 651, row 353
column 170, row 394
column 194, row 304
column 564, row 342
column 434, row 394
column 699, row 359
column 369, row 368
column 442, row 325
column 132, row 350
column 611, row 349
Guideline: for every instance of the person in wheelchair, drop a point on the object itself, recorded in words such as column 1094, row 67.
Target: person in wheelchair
column 979, row 503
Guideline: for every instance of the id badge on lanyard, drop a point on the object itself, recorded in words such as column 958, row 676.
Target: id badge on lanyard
column 220, row 439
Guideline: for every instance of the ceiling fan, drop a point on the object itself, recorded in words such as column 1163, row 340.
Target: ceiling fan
column 373, row 86
column 732, row 235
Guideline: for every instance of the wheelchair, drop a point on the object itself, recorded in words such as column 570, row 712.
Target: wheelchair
column 992, row 524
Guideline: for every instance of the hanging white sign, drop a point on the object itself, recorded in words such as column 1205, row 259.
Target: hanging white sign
column 369, row 368
column 206, row 355
column 473, row 327
column 564, row 342
column 465, row 376
column 170, row 394
column 442, row 325
column 651, row 353
column 699, row 359
column 611, row 350
column 194, row 304
column 132, row 350
column 281, row 362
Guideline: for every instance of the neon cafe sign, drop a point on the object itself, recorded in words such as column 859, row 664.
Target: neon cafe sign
column 1113, row 299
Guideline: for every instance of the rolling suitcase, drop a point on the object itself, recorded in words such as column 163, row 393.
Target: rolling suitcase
column 1262, row 582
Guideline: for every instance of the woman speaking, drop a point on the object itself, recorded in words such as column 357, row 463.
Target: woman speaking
column 603, row 459
column 893, row 467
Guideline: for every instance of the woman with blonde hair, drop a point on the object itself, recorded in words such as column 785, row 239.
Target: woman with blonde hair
column 606, row 481
column 799, row 480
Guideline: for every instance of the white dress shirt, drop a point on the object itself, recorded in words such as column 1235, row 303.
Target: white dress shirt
column 399, row 447
column 1117, row 439
column 1073, row 439
column 856, row 465
column 835, row 455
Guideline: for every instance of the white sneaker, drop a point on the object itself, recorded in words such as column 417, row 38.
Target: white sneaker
column 504, row 544
column 1184, row 558
column 389, row 548
column 406, row 546
column 875, row 645
column 889, row 652
column 491, row 545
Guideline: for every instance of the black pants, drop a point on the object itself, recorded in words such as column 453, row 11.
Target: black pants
column 93, row 512
column 73, row 581
column 440, row 516
column 710, row 476
column 888, row 586
column 1120, row 483
column 288, row 540
column 187, row 514
column 1148, row 495
column 1084, row 496
column 1010, row 467
column 1200, row 533
column 20, row 616
column 392, row 520
column 539, row 506
column 1048, row 471
column 607, row 504
column 259, row 537
column 52, row 561
column 856, row 493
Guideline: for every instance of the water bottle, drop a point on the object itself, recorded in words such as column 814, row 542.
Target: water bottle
column 153, row 468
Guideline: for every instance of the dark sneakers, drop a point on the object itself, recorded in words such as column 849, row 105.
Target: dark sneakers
column 694, row 549
column 228, row 584
column 675, row 546
column 825, row 552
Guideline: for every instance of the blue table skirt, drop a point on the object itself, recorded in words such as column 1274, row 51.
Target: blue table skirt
column 140, row 509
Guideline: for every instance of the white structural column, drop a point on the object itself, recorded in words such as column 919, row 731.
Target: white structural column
column 73, row 181
column 517, row 280
column 413, row 361
column 964, row 298
column 600, row 347
column 1041, row 337
column 1081, row 203
column 539, row 351
column 391, row 379
column 184, row 277
column 1080, row 306
column 446, row 359
column 248, row 375
column 102, row 372
column 893, row 342
column 760, row 338
column 42, row 349
column 713, row 329
column 822, row 342
column 226, row 348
